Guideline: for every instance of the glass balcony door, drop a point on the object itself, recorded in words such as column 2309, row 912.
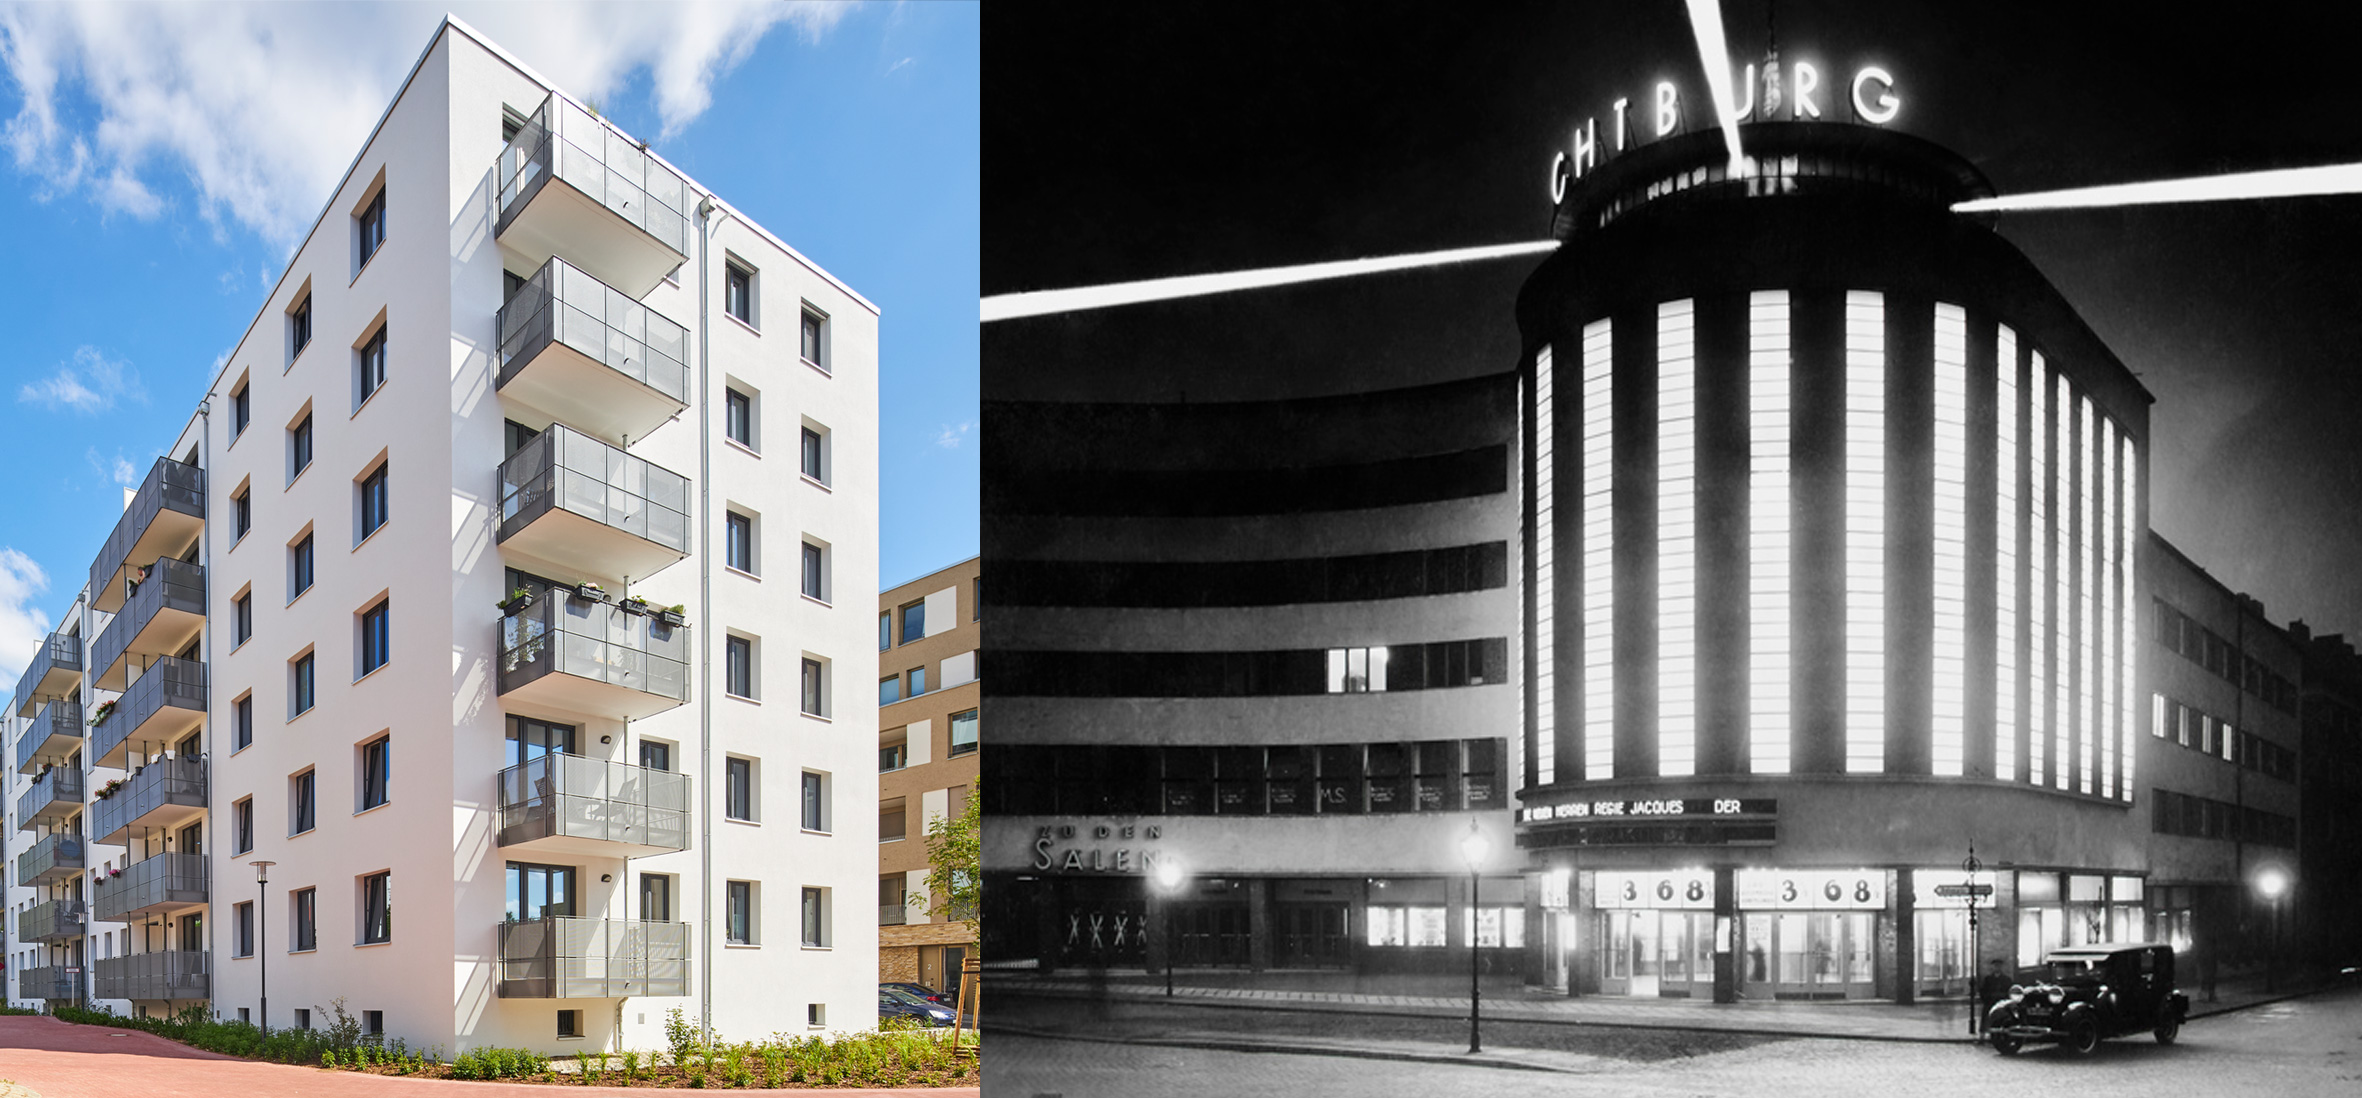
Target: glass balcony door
column 540, row 891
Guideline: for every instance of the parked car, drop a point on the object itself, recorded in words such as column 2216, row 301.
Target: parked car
column 939, row 998
column 2090, row 993
column 895, row 1003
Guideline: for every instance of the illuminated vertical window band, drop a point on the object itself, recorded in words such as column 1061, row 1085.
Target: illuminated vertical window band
column 1865, row 532
column 2038, row 638
column 2129, row 623
column 2062, row 587
column 2074, row 592
column 1599, row 581
column 1545, row 575
column 2104, row 599
column 1677, row 541
column 1948, row 725
column 2005, row 554
column 1769, row 671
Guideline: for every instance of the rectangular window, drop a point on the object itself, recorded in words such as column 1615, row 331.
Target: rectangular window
column 373, row 501
column 738, row 541
column 2005, row 555
column 739, row 791
column 242, row 824
column 738, row 660
column 885, row 631
column 918, row 681
column 914, row 621
column 299, row 448
column 302, row 803
column 301, row 571
column 2038, row 642
column 1599, row 598
column 569, row 1023
column 376, row 772
column 656, row 898
column 1865, row 532
column 303, row 1017
column 893, row 756
column 813, row 586
column 1949, row 717
column 1545, row 621
column 241, row 619
column 814, row 801
column 241, row 410
column 377, row 908
column 738, row 292
column 815, row 689
column 963, row 732
column 372, row 227
column 1677, row 541
column 738, row 417
column 242, row 718
column 376, row 636
column 2129, row 625
column 889, row 690
column 241, row 513
column 1770, row 670
column 299, row 327
column 815, row 349
column 373, row 1022
column 894, row 821
column 812, row 455
column 246, row 929
column 815, row 917
column 1357, row 670
column 303, row 684
column 656, row 756
column 741, row 912
column 371, row 366
column 303, row 931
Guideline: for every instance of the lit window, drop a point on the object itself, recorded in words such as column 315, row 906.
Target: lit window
column 1865, row 532
column 1770, row 670
column 2062, row 657
column 2005, row 555
column 2105, row 609
column 1357, row 670
column 1598, row 605
column 2086, row 701
column 1545, row 630
column 2038, row 588
column 1677, row 542
column 2126, row 512
column 1949, row 716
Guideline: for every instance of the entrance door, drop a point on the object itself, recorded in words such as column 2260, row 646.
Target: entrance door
column 954, row 959
column 1817, row 954
column 1211, row 934
column 1944, row 965
column 1312, row 935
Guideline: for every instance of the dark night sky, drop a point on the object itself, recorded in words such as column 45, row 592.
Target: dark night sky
column 1133, row 142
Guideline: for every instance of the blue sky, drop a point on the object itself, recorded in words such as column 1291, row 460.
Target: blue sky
column 158, row 165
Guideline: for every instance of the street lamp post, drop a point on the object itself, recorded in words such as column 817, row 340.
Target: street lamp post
column 2273, row 882
column 1473, row 850
column 1976, row 981
column 262, row 908
column 1168, row 881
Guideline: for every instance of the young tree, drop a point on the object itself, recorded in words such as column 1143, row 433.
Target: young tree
column 954, row 852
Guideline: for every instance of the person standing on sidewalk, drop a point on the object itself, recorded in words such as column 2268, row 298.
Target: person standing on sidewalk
column 1995, row 986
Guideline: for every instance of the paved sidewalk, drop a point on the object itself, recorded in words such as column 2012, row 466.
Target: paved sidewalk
column 56, row 1059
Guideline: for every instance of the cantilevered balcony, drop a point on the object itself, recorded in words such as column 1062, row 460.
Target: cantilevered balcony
column 164, row 516
column 161, row 618
column 570, row 184
column 159, row 885
column 561, row 958
column 578, row 656
column 591, row 509
column 53, row 982
column 55, row 795
column 577, row 350
column 54, row 673
column 54, row 921
column 53, row 858
column 166, row 702
column 162, row 974
column 50, row 737
column 160, row 796
column 595, row 808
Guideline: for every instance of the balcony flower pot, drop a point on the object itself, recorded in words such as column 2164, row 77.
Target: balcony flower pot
column 676, row 615
column 591, row 592
column 634, row 605
column 99, row 716
column 517, row 602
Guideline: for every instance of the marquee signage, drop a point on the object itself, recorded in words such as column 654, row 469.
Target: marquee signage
column 1680, row 888
column 1814, row 889
column 1086, row 848
column 1802, row 94
column 1653, row 808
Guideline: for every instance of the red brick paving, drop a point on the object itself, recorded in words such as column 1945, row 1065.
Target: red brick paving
column 60, row 1060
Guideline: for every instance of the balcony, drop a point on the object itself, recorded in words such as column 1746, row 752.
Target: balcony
column 592, row 509
column 159, row 885
column 55, row 671
column 54, row 921
column 594, row 808
column 562, row 958
column 571, row 185
column 577, row 656
column 50, row 737
column 56, row 795
column 164, row 516
column 163, row 794
column 166, row 703
column 53, row 982
column 53, row 858
column 893, row 915
column 586, row 354
column 159, row 619
column 162, row 974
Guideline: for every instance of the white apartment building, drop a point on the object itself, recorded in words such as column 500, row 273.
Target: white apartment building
column 519, row 354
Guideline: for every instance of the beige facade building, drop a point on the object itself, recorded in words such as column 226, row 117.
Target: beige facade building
column 927, row 748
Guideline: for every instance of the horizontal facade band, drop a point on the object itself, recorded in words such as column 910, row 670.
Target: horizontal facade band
column 1375, row 669
column 1440, row 775
column 1406, row 574
column 1392, row 482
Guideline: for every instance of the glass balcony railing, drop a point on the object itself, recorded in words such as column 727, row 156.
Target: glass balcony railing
column 55, row 671
column 50, row 737
column 160, row 794
column 53, row 858
column 585, row 656
column 52, row 982
column 55, row 795
column 54, row 921
column 165, row 703
column 585, row 506
column 164, row 515
column 161, row 617
column 163, row 883
column 589, row 355
column 617, row 211
column 162, row 974
column 595, row 807
column 563, row 958
column 893, row 914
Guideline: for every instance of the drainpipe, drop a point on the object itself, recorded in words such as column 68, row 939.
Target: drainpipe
column 706, row 223
column 212, row 971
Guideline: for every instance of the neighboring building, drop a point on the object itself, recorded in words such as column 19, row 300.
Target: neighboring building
column 2325, row 916
column 518, row 355
column 927, row 758
column 1268, row 641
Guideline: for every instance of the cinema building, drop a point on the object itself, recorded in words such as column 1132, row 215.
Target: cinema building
column 1831, row 525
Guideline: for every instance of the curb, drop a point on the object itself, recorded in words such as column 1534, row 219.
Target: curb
column 1347, row 1052
column 2280, row 998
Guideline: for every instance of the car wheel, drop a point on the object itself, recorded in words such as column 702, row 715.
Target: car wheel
column 2168, row 1027
column 2006, row 1045
column 2083, row 1035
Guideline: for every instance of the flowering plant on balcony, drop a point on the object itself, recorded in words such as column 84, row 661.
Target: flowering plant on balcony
column 108, row 790
column 516, row 601
column 591, row 591
column 634, row 605
column 99, row 716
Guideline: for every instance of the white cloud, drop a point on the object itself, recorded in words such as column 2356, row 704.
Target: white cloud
column 262, row 106
column 90, row 383
column 951, row 436
column 890, row 69
column 22, row 625
column 120, row 470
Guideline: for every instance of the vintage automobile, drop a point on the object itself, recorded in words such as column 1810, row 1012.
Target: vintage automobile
column 2090, row 993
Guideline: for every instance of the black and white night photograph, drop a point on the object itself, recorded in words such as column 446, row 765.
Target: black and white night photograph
column 1680, row 547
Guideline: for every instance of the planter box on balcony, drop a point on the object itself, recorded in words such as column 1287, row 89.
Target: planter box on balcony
column 166, row 703
column 598, row 808
column 561, row 958
column 591, row 509
column 571, row 183
column 588, row 658
column 164, row 515
column 581, row 352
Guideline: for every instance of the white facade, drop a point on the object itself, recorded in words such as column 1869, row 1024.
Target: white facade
column 442, row 559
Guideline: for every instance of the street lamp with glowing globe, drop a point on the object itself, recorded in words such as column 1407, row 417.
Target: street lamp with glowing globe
column 1168, row 876
column 2273, row 883
column 1474, row 849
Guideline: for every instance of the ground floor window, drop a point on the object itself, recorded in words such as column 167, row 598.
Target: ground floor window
column 1406, row 925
